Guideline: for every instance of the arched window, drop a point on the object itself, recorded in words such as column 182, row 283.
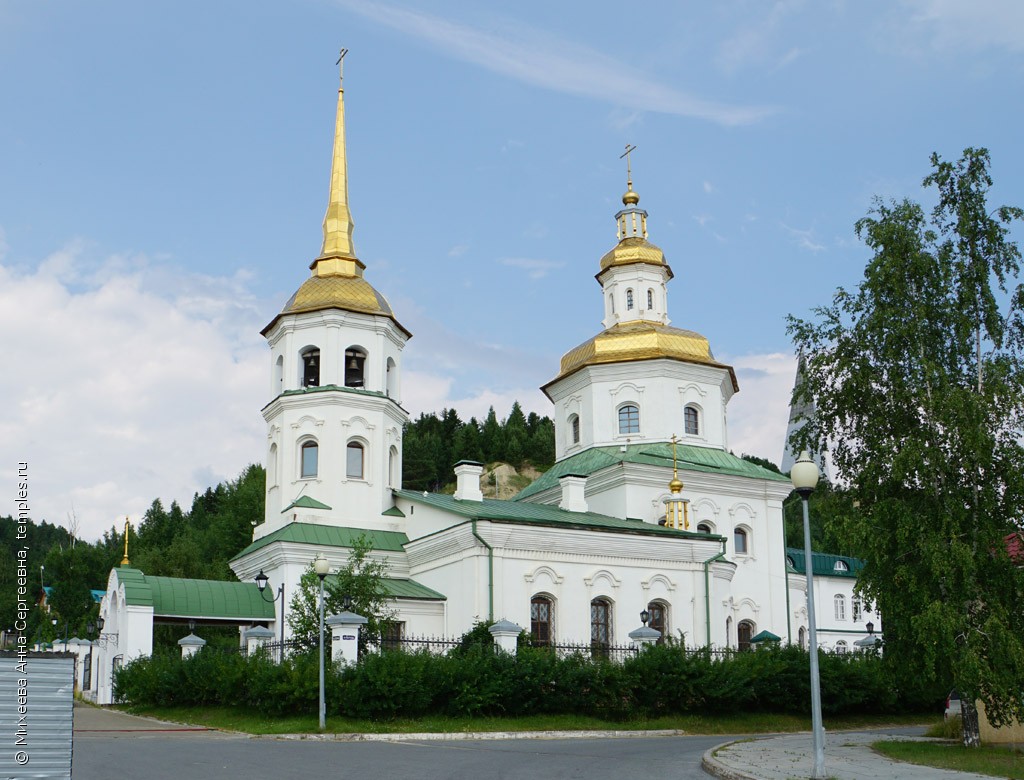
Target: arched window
column 310, row 371
column 728, row 631
column 611, row 303
column 703, row 528
column 650, row 299
column 272, row 466
column 354, row 460
column 841, row 566
column 744, row 631
column 393, row 467
column 600, row 624
column 391, row 386
column 629, row 419
column 355, row 362
column 691, row 421
column 309, row 454
column 279, row 375
column 657, row 612
column 801, row 638
column 542, row 613
column 741, row 541
column 629, row 300
column 574, row 429
column 841, row 647
column 840, row 602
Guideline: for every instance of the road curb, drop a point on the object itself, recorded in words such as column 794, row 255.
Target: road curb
column 715, row 767
column 476, row 735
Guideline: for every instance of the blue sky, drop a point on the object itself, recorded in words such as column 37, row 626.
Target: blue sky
column 165, row 170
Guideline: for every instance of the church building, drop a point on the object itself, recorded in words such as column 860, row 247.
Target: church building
column 645, row 508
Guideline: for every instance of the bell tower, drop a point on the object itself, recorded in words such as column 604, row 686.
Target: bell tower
column 334, row 420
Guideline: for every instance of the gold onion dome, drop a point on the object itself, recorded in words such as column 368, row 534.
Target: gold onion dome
column 639, row 340
column 630, row 198
column 675, row 485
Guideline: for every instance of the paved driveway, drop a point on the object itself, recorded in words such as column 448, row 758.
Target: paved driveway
column 116, row 745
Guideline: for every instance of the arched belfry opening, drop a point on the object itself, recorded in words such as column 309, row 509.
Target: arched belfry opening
column 355, row 366
column 309, row 369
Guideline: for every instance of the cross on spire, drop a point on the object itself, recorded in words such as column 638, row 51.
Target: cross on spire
column 340, row 63
column 629, row 171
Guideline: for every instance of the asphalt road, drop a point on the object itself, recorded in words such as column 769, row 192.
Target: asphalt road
column 157, row 755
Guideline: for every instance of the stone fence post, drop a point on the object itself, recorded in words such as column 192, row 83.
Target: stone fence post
column 506, row 635
column 344, row 631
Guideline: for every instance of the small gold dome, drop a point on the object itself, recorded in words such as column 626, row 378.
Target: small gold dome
column 640, row 340
column 634, row 250
column 630, row 198
column 675, row 485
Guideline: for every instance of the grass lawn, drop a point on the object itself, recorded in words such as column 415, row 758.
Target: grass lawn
column 248, row 722
column 995, row 761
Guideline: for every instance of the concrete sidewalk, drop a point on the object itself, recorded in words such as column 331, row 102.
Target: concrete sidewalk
column 92, row 719
column 848, row 756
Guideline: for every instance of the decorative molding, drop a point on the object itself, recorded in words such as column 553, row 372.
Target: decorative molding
column 555, row 577
column 623, row 386
column 669, row 585
column 602, row 574
column 751, row 512
column 307, row 418
column 684, row 389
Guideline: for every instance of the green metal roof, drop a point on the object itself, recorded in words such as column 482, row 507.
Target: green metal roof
column 399, row 588
column 765, row 636
column 824, row 564
column 701, row 459
column 305, row 502
column 180, row 597
column 329, row 536
column 136, row 591
column 177, row 597
column 542, row 514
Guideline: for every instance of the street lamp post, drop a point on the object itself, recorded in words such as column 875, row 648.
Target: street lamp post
column 321, row 567
column 805, row 478
column 261, row 583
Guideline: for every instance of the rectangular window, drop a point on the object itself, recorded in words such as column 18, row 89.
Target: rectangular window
column 391, row 635
column 840, row 608
column 856, row 608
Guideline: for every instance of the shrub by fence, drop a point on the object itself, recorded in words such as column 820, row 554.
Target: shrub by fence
column 476, row 681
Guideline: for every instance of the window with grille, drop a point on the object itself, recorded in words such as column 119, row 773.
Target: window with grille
column 541, row 613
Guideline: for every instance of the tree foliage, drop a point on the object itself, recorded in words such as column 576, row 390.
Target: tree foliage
column 917, row 381
column 433, row 444
column 359, row 583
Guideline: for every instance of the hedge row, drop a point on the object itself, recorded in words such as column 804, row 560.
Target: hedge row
column 479, row 682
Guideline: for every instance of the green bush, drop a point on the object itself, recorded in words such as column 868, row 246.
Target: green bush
column 476, row 680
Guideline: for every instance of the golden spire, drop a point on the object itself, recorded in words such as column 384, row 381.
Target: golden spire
column 338, row 220
column 125, row 561
column 677, row 509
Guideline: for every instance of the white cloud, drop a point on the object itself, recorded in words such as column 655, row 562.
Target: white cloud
column 458, row 250
column 979, row 24
column 754, row 45
column 126, row 381
column 759, row 413
column 543, row 60
column 535, row 269
column 707, row 187
column 804, row 238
